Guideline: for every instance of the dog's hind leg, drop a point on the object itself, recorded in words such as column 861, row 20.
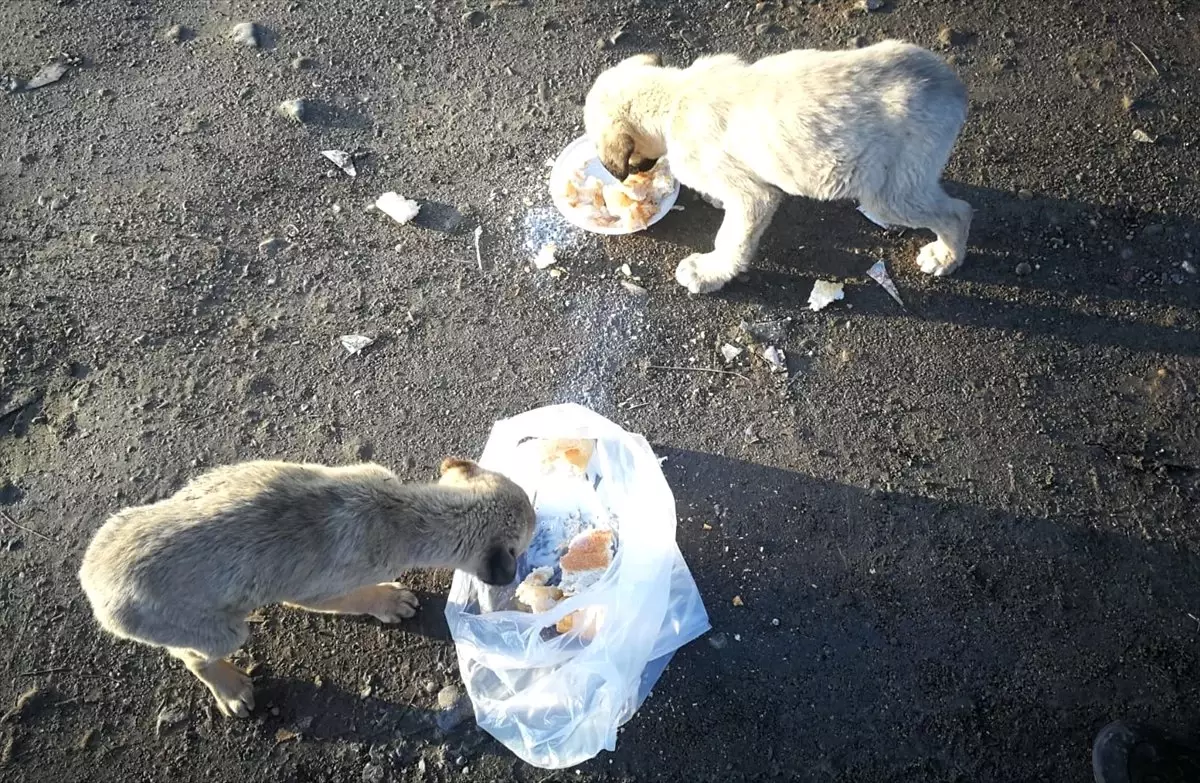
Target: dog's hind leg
column 932, row 208
column 205, row 656
column 748, row 211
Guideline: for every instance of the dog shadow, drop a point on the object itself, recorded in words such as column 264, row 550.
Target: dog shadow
column 1039, row 264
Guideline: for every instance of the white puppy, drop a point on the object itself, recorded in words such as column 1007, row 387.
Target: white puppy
column 875, row 124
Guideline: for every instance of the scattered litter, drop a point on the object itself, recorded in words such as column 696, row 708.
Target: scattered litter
column 737, row 601
column 50, row 73
column 545, row 257
column 634, row 288
column 776, row 358
column 272, row 246
column 343, row 160
column 771, row 331
column 478, row 255
column 245, row 34
column 730, row 352
column 295, row 110
column 355, row 343
column 23, row 701
column 878, row 272
column 824, row 293
column 871, row 217
column 168, row 718
column 398, row 208
column 677, row 208
column 1139, row 136
column 707, row 526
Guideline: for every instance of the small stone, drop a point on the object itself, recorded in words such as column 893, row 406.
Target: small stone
column 295, row 110
column 949, row 37
column 1024, row 269
column 1188, row 267
column 1141, row 137
column 775, row 622
column 737, row 601
column 447, row 697
column 430, row 686
column 474, row 18
column 765, row 28
column 177, row 34
column 303, row 64
column 372, row 773
column 245, row 34
column 272, row 246
column 1025, row 194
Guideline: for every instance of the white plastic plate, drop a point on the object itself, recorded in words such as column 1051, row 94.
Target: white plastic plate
column 570, row 160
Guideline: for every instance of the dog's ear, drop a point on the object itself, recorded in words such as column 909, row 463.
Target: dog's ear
column 463, row 468
column 614, row 153
column 643, row 59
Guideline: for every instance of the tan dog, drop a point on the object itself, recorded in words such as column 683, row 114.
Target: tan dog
column 875, row 124
column 183, row 573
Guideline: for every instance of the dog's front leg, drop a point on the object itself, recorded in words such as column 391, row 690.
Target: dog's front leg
column 748, row 212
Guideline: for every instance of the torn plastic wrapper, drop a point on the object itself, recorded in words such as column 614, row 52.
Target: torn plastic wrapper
column 878, row 272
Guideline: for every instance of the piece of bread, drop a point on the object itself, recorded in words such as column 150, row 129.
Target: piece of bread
column 588, row 557
column 577, row 452
column 586, row 622
column 535, row 594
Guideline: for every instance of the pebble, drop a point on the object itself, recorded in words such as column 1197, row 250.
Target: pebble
column 245, row 34
column 447, row 697
column 1141, row 137
column 1025, row 194
column 765, row 28
column 1188, row 267
column 949, row 37
column 1024, row 268
column 295, row 110
column 430, row 686
column 177, row 33
column 372, row 773
column 303, row 64
column 474, row 18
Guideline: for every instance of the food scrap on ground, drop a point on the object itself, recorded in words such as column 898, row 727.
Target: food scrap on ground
column 823, row 294
column 355, row 343
column 546, row 256
column 400, row 209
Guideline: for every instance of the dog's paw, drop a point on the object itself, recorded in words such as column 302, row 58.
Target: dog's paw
column 938, row 259
column 394, row 603
column 232, row 689
column 702, row 273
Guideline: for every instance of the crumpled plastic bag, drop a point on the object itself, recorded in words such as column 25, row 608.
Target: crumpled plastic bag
column 557, row 700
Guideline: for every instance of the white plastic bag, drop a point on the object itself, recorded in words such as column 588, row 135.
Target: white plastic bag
column 558, row 700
